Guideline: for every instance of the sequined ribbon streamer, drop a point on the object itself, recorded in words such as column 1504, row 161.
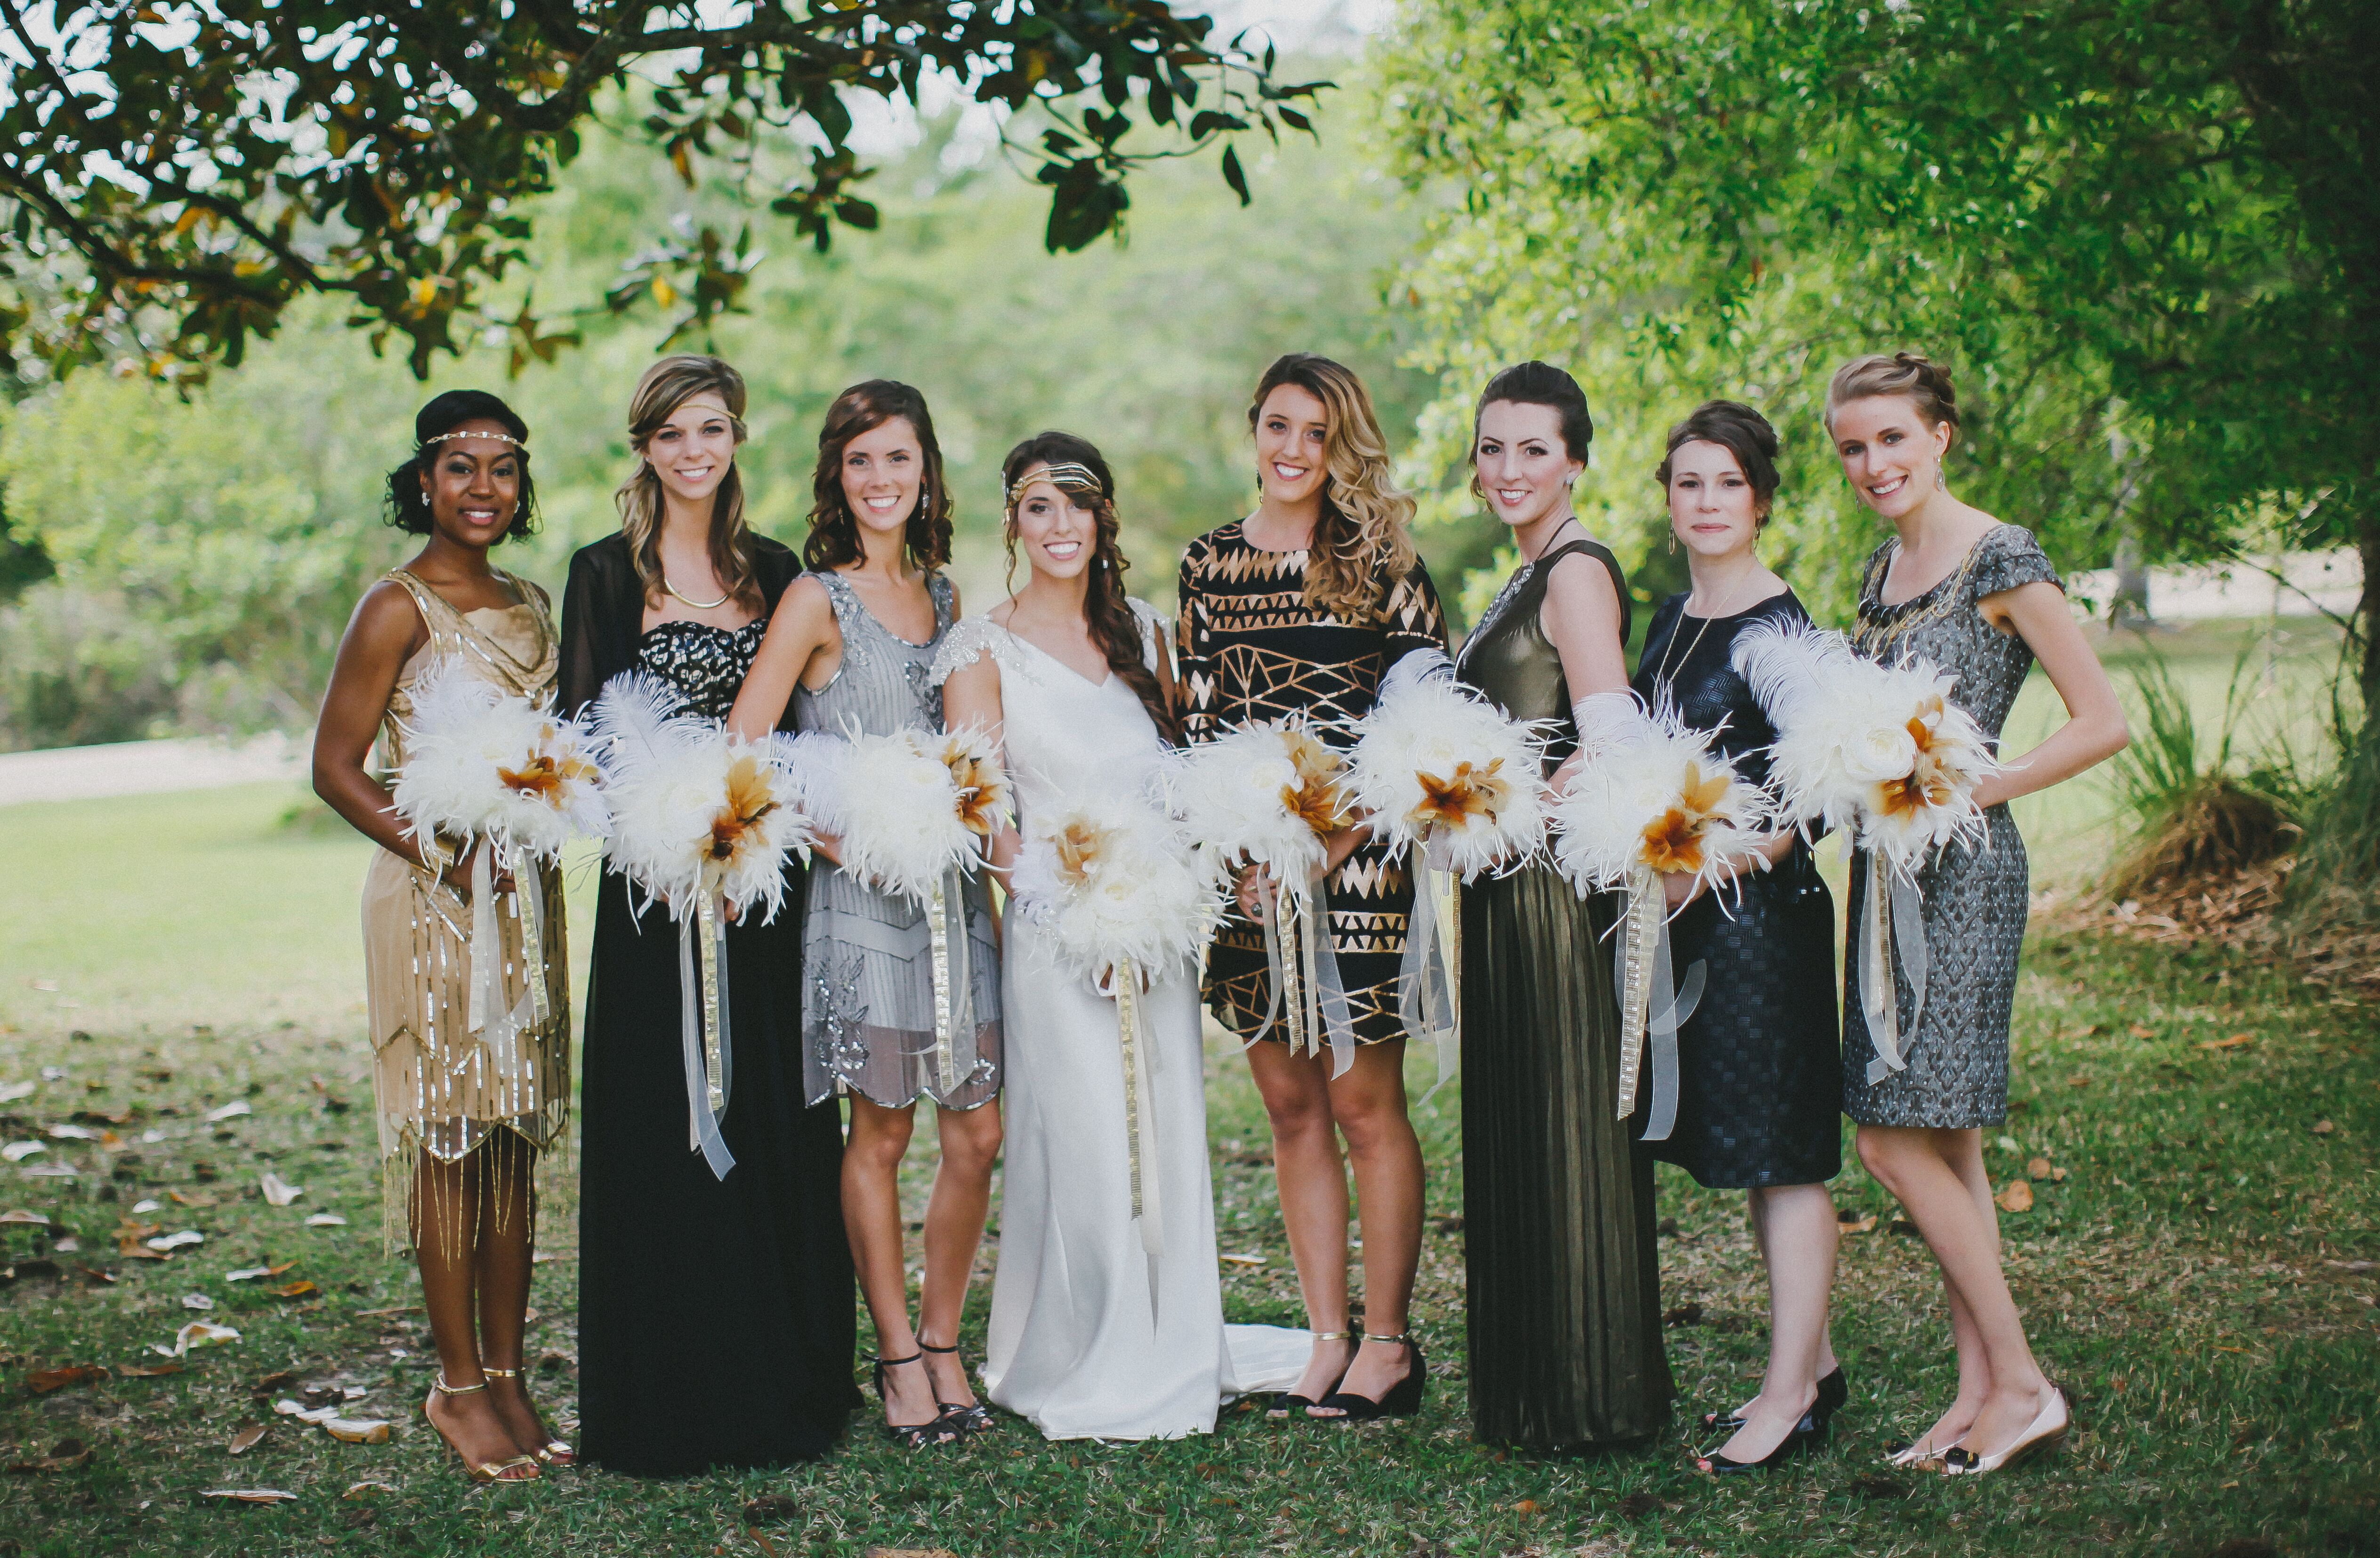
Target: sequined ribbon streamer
column 710, row 1058
column 1425, row 992
column 1139, row 1109
column 953, row 980
column 1652, row 1005
column 1894, row 916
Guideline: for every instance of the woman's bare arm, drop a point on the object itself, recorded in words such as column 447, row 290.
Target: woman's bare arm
column 971, row 701
column 384, row 633
column 803, row 627
column 2095, row 729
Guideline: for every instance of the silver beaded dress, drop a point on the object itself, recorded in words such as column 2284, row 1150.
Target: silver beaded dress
column 1975, row 899
column 867, row 961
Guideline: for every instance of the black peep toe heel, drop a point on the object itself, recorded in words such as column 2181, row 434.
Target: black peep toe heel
column 1833, row 1391
column 1403, row 1398
column 1288, row 1402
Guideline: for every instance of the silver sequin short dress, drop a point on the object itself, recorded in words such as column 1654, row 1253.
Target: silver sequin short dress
column 868, row 979
column 1975, row 899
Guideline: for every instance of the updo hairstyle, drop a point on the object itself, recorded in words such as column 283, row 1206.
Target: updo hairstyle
column 1740, row 430
column 406, row 507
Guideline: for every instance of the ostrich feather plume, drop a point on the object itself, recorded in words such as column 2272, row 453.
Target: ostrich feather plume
column 695, row 810
column 911, row 805
column 1436, row 760
column 483, row 762
column 1112, row 881
column 1878, row 751
column 1659, row 799
column 1269, row 791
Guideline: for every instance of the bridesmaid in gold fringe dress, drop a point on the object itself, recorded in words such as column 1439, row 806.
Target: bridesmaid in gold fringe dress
column 462, row 1114
column 1565, row 1288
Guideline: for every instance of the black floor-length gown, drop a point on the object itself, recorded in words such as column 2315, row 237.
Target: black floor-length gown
column 716, row 1323
column 1564, row 1285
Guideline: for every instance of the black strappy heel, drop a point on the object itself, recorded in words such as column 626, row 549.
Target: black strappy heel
column 937, row 1430
column 976, row 1418
column 1833, row 1391
column 1403, row 1398
column 1285, row 1403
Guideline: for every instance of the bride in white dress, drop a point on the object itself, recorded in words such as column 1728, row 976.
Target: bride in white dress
column 1093, row 1336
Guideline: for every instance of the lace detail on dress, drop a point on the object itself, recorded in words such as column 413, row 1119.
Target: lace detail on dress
column 1152, row 633
column 706, row 665
column 968, row 641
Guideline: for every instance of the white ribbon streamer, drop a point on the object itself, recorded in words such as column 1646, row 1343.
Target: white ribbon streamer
column 710, row 1077
column 953, row 980
column 1425, row 992
column 486, row 941
column 1893, row 917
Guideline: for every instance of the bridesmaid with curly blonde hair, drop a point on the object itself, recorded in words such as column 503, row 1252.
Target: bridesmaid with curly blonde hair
column 1298, row 611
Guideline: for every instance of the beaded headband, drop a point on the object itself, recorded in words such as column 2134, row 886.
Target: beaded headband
column 500, row 438
column 1067, row 474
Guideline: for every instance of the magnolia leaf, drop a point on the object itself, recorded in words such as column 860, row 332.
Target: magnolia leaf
column 365, row 1489
column 202, row 1333
column 17, row 1151
column 198, row 1200
column 326, row 1219
column 146, row 1370
column 2017, row 1197
column 2322, row 1128
column 247, row 1439
column 2234, row 1041
column 2037, row 1168
column 73, row 1133
column 232, row 1110
column 277, row 1191
column 197, row 1302
column 357, row 1430
column 41, row 1381
column 19, row 1215
column 11, row 1091
column 147, row 1205
column 249, row 1495
column 1244, row 1259
column 167, row 1243
column 249, row 1273
column 293, row 1290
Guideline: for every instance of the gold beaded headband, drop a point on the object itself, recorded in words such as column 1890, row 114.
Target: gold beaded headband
column 500, row 438
column 1064, row 475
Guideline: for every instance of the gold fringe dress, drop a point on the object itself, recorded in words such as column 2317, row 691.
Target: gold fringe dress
column 438, row 1088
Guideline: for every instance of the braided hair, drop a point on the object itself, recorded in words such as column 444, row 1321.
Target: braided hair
column 1115, row 628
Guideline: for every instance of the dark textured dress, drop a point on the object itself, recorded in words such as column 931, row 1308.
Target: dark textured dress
column 716, row 1324
column 1251, row 648
column 1975, row 899
column 1759, row 1083
column 1565, row 1274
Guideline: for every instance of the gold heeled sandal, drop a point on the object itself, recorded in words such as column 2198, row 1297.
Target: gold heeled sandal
column 555, row 1451
column 519, row 1468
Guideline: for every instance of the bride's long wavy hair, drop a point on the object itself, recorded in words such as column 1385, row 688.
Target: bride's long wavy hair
column 1114, row 627
column 1363, row 543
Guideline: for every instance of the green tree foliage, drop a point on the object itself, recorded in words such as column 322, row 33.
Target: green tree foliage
column 2142, row 232
column 208, row 550
column 173, row 174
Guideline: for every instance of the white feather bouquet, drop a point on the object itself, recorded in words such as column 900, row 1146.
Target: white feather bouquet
column 1651, row 800
column 1271, row 793
column 702, row 821
column 1119, row 895
column 1881, row 753
column 1438, row 767
column 485, row 765
column 1877, row 751
column 911, row 807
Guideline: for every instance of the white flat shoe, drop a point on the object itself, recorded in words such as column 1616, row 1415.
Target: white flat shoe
column 2048, row 1428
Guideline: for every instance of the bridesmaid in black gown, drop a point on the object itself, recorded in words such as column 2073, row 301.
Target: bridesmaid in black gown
column 716, row 1323
column 1564, row 1277
column 1760, row 1083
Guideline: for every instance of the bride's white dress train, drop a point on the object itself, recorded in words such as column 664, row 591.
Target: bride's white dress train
column 1092, row 1335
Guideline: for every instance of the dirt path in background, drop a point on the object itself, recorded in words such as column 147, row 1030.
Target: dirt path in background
column 148, row 767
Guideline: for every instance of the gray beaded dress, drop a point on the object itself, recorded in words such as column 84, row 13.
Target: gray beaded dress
column 868, row 987
column 1976, row 900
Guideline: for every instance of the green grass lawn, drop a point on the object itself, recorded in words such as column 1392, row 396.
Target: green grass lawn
column 2201, row 1280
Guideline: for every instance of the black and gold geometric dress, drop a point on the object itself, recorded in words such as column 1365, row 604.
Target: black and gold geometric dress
column 1251, row 647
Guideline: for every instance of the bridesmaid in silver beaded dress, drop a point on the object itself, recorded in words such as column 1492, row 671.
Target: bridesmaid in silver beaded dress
column 1978, row 600
column 853, row 649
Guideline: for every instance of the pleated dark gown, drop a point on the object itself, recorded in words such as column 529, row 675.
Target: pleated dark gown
column 1564, row 1270
column 716, row 1323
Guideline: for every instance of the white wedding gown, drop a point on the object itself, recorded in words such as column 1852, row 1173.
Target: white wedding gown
column 1092, row 1336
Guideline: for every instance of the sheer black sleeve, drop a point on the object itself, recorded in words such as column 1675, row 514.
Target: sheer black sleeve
column 602, row 608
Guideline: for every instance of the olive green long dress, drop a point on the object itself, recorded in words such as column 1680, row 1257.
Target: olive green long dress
column 1565, row 1282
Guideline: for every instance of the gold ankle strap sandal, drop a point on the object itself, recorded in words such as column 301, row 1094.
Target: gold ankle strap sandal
column 555, row 1451
column 518, row 1468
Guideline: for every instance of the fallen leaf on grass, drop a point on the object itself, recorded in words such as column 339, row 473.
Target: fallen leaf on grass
column 2322, row 1128
column 11, row 1091
column 17, row 1151
column 247, row 1439
column 326, row 1219
column 1243, row 1260
column 909, row 1553
column 2078, row 1079
column 199, row 1201
column 197, row 1302
column 1525, row 1506
column 73, row 1133
column 41, row 1381
column 357, row 1430
column 198, row 1334
column 249, row 1495
column 146, row 1370
column 365, row 1490
column 1855, row 1222
column 2354, row 1266
column 141, row 1206
column 2037, row 1168
column 165, row 1244
column 2057, row 1176
column 64, row 1455
column 232, row 1110
column 293, row 1290
column 249, row 1273
column 2017, row 1197
column 19, row 1217
column 277, row 1191
column 2234, row 1041
column 2142, row 1031
column 92, row 1274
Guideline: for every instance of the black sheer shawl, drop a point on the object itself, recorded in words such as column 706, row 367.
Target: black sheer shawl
column 603, row 614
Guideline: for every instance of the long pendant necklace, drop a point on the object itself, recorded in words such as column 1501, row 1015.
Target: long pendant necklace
column 698, row 605
column 1661, row 683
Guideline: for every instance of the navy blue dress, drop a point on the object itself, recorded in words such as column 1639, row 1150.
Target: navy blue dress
column 1760, row 1072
